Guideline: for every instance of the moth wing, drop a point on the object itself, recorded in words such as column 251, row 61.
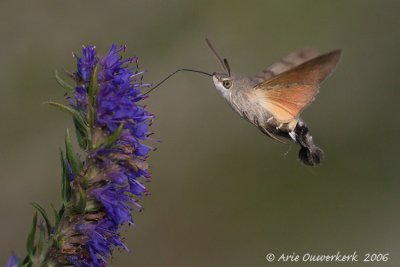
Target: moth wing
column 290, row 61
column 286, row 103
column 286, row 95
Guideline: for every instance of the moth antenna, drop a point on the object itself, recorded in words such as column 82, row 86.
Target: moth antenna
column 228, row 69
column 175, row 72
column 222, row 62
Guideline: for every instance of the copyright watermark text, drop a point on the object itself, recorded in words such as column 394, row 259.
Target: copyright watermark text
column 335, row 257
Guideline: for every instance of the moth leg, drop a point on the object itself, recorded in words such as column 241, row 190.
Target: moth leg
column 273, row 136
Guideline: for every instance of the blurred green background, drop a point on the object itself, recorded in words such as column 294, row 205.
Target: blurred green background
column 223, row 194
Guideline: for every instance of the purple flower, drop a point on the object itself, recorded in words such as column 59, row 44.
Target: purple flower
column 70, row 172
column 86, row 63
column 12, row 260
column 116, row 202
column 120, row 91
column 80, row 96
column 103, row 237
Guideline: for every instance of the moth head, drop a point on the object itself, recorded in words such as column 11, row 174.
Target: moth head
column 223, row 82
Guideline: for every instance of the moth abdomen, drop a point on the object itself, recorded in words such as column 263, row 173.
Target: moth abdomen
column 311, row 157
column 309, row 153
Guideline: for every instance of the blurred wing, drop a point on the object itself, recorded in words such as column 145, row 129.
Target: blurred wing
column 285, row 104
column 286, row 95
column 290, row 61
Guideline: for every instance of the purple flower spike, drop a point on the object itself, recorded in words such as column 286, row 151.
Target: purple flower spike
column 100, row 192
column 112, row 175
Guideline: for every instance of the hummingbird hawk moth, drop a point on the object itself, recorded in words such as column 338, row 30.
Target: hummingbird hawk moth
column 274, row 99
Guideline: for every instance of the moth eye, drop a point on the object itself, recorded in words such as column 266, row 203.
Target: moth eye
column 227, row 84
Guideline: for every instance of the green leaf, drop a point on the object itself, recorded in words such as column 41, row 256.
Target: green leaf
column 81, row 134
column 57, row 217
column 81, row 204
column 26, row 261
column 61, row 212
column 65, row 182
column 43, row 212
column 85, row 182
column 80, row 163
column 71, row 158
column 31, row 237
column 42, row 237
column 93, row 205
column 63, row 83
column 92, row 91
column 75, row 114
column 114, row 136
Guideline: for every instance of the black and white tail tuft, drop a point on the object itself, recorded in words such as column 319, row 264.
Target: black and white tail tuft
column 309, row 153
